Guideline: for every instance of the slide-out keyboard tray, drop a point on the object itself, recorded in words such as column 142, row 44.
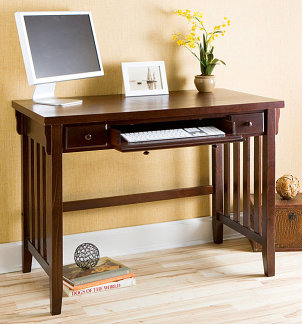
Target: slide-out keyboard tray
column 120, row 144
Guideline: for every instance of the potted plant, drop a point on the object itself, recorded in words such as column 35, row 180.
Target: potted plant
column 199, row 42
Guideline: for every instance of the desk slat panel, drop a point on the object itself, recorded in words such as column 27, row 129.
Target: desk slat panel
column 43, row 196
column 246, row 182
column 37, row 194
column 217, row 200
column 31, row 190
column 227, row 180
column 40, row 181
column 257, row 183
column 236, row 172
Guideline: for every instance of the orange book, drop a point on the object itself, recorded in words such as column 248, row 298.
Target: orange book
column 99, row 282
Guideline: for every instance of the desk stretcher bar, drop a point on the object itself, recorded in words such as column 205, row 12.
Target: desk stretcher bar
column 136, row 198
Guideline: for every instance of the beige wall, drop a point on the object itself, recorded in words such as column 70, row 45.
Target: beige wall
column 262, row 50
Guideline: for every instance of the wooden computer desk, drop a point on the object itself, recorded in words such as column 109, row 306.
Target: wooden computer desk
column 48, row 132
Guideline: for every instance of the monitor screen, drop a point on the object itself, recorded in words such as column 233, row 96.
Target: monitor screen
column 61, row 44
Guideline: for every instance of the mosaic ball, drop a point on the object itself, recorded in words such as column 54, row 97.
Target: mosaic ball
column 86, row 256
column 287, row 186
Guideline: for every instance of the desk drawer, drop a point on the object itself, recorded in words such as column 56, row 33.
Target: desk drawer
column 85, row 137
column 247, row 124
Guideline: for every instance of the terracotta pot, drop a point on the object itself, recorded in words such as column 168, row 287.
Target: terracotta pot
column 205, row 83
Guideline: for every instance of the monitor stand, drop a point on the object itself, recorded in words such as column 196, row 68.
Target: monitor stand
column 45, row 94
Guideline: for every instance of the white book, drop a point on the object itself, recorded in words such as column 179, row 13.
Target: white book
column 111, row 285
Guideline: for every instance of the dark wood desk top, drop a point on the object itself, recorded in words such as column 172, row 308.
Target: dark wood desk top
column 118, row 107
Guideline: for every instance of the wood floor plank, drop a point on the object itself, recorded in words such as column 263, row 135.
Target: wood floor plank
column 183, row 285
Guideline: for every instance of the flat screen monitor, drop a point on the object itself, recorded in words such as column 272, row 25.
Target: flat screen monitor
column 57, row 46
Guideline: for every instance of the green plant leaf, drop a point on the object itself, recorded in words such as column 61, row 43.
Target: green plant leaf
column 209, row 69
column 202, row 67
column 212, row 49
column 217, row 60
column 203, row 58
column 204, row 43
column 200, row 46
column 210, row 58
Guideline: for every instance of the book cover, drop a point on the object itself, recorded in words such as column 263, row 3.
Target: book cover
column 105, row 268
column 99, row 282
column 117, row 284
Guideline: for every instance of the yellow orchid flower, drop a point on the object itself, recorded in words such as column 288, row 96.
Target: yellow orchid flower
column 180, row 42
column 198, row 34
column 190, row 38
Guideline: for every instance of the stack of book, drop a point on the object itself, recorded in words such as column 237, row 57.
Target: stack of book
column 107, row 274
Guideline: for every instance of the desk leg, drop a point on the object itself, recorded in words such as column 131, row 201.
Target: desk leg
column 54, row 223
column 217, row 198
column 26, row 255
column 268, row 218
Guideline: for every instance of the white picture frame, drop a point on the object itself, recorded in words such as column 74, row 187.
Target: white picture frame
column 145, row 78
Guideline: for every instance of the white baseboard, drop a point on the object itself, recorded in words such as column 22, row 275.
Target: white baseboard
column 126, row 240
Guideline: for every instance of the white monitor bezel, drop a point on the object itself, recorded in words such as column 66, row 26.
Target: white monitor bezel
column 26, row 52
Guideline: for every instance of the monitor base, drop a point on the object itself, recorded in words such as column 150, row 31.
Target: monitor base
column 44, row 94
column 58, row 102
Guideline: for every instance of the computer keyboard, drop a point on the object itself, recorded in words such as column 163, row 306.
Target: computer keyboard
column 167, row 134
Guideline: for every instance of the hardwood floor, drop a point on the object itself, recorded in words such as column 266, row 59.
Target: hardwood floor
column 200, row 284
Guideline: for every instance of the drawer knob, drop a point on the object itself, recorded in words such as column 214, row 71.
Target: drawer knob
column 291, row 216
column 249, row 123
column 88, row 137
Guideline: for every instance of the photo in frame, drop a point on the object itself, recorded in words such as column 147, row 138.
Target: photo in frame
column 145, row 78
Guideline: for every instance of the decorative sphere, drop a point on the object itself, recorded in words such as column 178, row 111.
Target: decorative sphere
column 287, row 186
column 86, row 256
